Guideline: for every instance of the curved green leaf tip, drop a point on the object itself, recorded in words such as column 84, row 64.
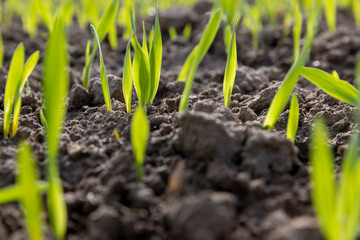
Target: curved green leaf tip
column 104, row 80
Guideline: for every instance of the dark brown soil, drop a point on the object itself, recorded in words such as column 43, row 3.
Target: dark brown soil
column 211, row 172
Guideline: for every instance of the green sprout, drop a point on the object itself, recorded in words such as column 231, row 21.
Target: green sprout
column 124, row 18
column 198, row 54
column 127, row 79
column 103, row 29
column 297, row 31
column 282, row 96
column 155, row 56
column 231, row 66
column 139, row 137
column 104, row 80
column 173, row 34
column 141, row 71
column 252, row 21
column 336, row 202
column 187, row 32
column 18, row 75
column 330, row 14
column 27, row 191
column 147, row 65
column 293, row 121
column 332, row 85
column 55, row 90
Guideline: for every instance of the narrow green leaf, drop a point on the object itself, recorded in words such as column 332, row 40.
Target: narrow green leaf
column 227, row 37
column 88, row 63
column 87, row 51
column 127, row 78
column 141, row 73
column 151, row 37
column 231, row 67
column 203, row 46
column 322, row 177
column 55, row 86
column 187, row 31
column 144, row 43
column 43, row 119
column 173, row 34
column 155, row 57
column 139, row 137
column 9, row 194
column 12, row 82
column 335, row 74
column 187, row 65
column 104, row 81
column 103, row 28
column 113, row 37
column 349, row 190
column 330, row 14
column 283, row 94
column 297, row 31
column 293, row 121
column 27, row 70
column 107, row 20
column 57, row 207
column 333, row 86
column 30, row 198
column 357, row 72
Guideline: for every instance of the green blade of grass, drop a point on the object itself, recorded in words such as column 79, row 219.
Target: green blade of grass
column 357, row 72
column 12, row 82
column 297, row 31
column 155, row 57
column 293, row 121
column 127, row 79
column 144, row 43
column 139, row 137
column 349, row 190
column 107, row 20
column 172, row 33
column 104, row 81
column 282, row 96
column 55, row 87
column 187, row 31
column 187, row 65
column 113, row 37
column 151, row 37
column 231, row 66
column 9, row 194
column 141, row 73
column 227, row 33
column 103, row 28
column 203, row 46
column 30, row 198
column 330, row 14
column 322, row 178
column 333, row 86
column 27, row 70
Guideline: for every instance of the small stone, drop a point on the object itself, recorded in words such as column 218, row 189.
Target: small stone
column 74, row 150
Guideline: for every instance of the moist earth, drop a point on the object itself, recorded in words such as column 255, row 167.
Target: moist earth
column 210, row 172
